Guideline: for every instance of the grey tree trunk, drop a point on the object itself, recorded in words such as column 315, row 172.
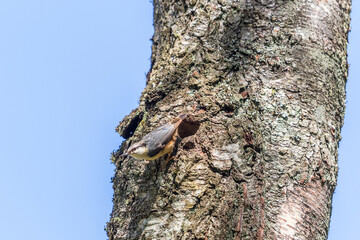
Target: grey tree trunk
column 266, row 81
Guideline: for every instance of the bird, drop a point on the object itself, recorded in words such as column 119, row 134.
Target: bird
column 158, row 142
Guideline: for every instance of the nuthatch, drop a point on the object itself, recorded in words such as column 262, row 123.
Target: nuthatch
column 158, row 142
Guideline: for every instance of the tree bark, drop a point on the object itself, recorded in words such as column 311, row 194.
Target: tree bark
column 265, row 79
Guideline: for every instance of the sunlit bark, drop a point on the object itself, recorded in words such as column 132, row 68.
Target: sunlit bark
column 266, row 81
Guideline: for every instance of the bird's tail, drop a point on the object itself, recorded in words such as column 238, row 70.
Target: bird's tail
column 182, row 116
column 176, row 121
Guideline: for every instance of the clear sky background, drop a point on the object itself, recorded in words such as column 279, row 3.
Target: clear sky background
column 69, row 72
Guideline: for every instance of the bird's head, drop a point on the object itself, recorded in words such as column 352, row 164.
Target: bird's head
column 137, row 150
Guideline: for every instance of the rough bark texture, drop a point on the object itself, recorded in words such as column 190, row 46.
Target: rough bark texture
column 266, row 81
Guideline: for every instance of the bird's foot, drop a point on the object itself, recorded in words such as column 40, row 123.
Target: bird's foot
column 166, row 162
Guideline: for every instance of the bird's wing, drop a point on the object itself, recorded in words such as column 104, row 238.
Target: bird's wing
column 157, row 139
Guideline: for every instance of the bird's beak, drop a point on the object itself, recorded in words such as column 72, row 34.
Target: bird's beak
column 124, row 155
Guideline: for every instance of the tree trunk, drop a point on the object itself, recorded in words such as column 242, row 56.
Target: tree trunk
column 266, row 81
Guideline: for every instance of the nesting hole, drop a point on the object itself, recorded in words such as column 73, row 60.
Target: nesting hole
column 188, row 127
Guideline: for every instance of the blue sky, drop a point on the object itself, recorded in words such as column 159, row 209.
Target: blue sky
column 69, row 71
column 346, row 208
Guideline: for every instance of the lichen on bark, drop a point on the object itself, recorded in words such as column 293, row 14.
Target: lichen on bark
column 265, row 79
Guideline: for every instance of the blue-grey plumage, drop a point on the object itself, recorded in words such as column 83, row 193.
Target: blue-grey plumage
column 158, row 142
